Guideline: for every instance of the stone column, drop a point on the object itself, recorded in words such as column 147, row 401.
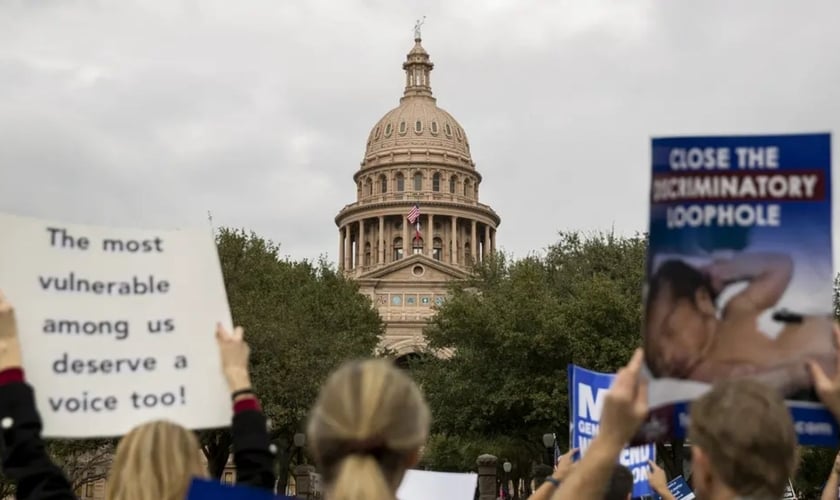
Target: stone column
column 487, row 477
column 347, row 247
column 430, row 235
column 303, row 481
column 486, row 246
column 453, row 258
column 473, row 242
column 341, row 249
column 360, row 245
column 493, row 240
column 381, row 240
column 406, row 245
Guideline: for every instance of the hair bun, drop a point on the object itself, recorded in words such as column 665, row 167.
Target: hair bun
column 370, row 446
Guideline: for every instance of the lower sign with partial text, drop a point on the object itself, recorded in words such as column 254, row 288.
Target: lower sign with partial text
column 588, row 389
column 679, row 488
column 203, row 489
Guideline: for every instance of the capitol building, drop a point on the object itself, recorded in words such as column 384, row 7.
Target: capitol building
column 417, row 222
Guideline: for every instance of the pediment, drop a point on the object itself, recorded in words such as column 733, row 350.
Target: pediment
column 407, row 270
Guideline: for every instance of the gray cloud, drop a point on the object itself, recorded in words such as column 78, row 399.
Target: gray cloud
column 150, row 113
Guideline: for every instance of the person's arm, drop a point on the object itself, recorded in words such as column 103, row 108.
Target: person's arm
column 828, row 389
column 659, row 481
column 249, row 429
column 830, row 490
column 24, row 454
column 561, row 470
column 625, row 408
column 768, row 275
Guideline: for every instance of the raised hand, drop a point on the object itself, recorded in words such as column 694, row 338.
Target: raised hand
column 564, row 465
column 235, row 354
column 626, row 403
column 657, row 479
column 10, row 356
column 828, row 389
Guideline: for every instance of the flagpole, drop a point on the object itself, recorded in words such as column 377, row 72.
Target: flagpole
column 210, row 220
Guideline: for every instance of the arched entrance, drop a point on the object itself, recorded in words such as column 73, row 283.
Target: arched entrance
column 406, row 360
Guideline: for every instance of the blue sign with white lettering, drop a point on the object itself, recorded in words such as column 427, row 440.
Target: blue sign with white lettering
column 679, row 488
column 739, row 273
column 587, row 389
column 203, row 489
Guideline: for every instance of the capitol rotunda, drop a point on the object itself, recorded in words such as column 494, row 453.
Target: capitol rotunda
column 417, row 167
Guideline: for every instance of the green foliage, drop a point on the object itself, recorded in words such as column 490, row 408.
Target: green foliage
column 83, row 461
column 814, row 467
column 301, row 320
column 513, row 328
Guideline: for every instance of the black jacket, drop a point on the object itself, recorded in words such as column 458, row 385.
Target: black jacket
column 26, row 463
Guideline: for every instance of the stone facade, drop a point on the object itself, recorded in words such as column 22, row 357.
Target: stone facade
column 417, row 154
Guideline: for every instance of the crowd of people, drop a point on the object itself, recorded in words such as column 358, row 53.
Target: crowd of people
column 371, row 421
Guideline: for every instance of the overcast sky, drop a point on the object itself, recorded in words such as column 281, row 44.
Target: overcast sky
column 150, row 113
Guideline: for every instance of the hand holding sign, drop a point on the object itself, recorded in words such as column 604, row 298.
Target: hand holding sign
column 565, row 464
column 9, row 344
column 828, row 389
column 659, row 481
column 625, row 406
column 235, row 353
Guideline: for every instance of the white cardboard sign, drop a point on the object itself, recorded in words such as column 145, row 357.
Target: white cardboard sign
column 422, row 485
column 117, row 326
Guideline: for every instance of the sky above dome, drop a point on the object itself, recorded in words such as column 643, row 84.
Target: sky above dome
column 150, row 113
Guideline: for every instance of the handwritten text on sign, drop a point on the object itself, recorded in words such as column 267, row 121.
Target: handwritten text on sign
column 117, row 326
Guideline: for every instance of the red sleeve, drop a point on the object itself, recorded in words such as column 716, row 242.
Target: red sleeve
column 246, row 404
column 11, row 376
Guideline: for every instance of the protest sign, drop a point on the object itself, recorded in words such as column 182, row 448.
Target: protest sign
column 587, row 390
column 679, row 488
column 117, row 326
column 422, row 485
column 789, row 493
column 740, row 234
column 204, row 489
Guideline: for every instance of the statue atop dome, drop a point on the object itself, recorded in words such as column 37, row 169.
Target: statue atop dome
column 419, row 23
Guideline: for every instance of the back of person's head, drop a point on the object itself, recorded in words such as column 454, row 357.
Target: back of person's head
column 744, row 441
column 155, row 461
column 621, row 484
column 366, row 429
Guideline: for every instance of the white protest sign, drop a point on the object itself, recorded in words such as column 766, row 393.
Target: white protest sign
column 422, row 485
column 117, row 326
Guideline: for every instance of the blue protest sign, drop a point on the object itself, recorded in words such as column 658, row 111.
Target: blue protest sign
column 588, row 389
column 203, row 489
column 740, row 234
column 679, row 488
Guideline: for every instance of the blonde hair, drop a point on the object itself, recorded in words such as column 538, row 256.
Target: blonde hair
column 370, row 420
column 155, row 461
column 747, row 432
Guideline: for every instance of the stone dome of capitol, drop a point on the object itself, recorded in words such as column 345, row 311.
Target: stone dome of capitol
column 418, row 121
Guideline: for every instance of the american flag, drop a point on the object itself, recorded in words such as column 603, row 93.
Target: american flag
column 414, row 213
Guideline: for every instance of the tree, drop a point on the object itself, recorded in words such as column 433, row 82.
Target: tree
column 83, row 461
column 514, row 326
column 302, row 320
